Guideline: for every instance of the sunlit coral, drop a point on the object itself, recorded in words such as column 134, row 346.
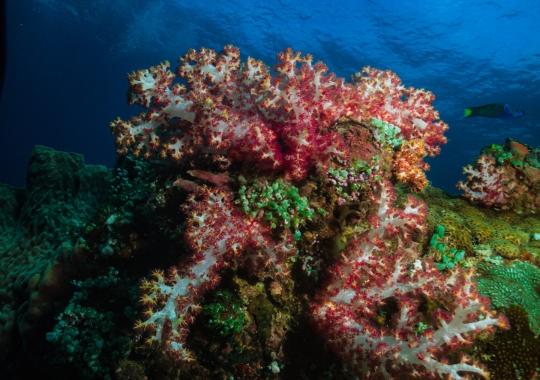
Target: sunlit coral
column 384, row 97
column 299, row 123
column 281, row 122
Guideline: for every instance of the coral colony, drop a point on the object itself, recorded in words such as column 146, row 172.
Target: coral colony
column 253, row 148
column 505, row 177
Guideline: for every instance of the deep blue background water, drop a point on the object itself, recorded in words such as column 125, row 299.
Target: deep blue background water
column 68, row 60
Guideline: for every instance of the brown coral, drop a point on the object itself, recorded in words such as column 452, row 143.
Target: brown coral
column 514, row 353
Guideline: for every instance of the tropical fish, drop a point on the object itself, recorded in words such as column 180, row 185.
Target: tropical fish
column 493, row 110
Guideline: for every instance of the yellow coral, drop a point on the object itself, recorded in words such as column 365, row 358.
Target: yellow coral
column 505, row 248
column 408, row 165
column 480, row 230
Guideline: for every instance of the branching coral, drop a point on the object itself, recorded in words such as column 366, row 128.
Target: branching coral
column 504, row 177
column 486, row 183
column 240, row 112
column 302, row 125
column 217, row 234
column 381, row 272
column 384, row 97
column 408, row 165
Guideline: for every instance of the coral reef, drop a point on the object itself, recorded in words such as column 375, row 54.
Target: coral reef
column 84, row 336
column 239, row 112
column 515, row 353
column 448, row 258
column 284, row 125
column 272, row 224
column 484, row 234
column 39, row 234
column 278, row 203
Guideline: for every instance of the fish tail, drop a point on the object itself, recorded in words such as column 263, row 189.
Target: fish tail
column 467, row 112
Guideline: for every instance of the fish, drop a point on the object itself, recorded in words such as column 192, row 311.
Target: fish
column 493, row 110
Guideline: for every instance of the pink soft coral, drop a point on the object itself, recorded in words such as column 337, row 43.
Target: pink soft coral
column 381, row 276
column 487, row 183
column 241, row 113
column 384, row 97
column 217, row 234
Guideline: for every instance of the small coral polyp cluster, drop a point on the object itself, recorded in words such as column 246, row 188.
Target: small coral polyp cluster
column 267, row 161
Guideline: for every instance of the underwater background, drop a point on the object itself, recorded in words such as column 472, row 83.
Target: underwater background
column 273, row 190
column 67, row 62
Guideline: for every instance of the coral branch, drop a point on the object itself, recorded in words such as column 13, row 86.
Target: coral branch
column 381, row 276
column 218, row 234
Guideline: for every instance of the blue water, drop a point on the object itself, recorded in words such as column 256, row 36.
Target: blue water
column 68, row 60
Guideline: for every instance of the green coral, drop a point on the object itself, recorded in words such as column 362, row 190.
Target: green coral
column 504, row 154
column 449, row 258
column 517, row 284
column 279, row 202
column 386, row 133
column 226, row 314
column 420, row 328
column 500, row 153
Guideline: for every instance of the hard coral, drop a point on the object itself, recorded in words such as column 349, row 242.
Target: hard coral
column 513, row 285
column 371, row 308
column 515, row 353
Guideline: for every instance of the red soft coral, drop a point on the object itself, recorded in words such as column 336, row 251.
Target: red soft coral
column 371, row 308
column 217, row 234
column 384, row 97
column 283, row 122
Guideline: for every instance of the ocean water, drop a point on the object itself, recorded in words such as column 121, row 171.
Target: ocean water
column 315, row 267
column 67, row 62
